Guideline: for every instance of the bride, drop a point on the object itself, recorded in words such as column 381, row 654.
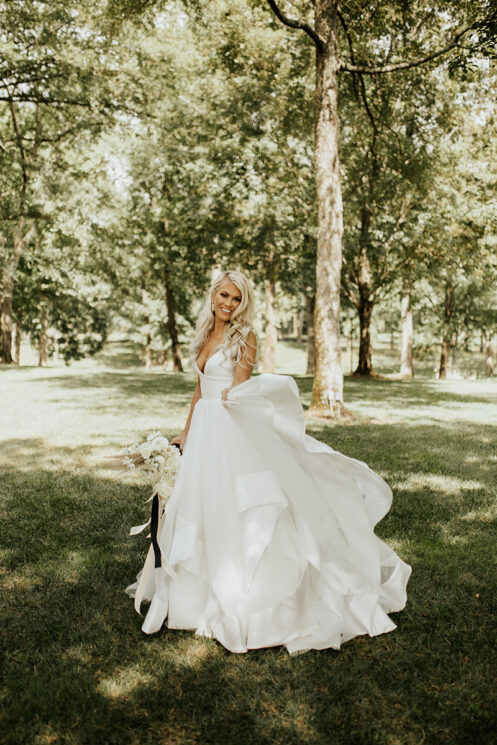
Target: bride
column 268, row 537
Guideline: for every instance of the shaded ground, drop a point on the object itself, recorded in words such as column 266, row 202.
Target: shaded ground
column 76, row 668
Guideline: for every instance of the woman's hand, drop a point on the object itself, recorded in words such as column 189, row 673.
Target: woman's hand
column 180, row 440
column 224, row 394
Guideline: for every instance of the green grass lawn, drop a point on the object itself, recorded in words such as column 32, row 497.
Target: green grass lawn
column 76, row 667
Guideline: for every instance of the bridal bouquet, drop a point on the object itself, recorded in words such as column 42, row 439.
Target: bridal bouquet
column 161, row 459
column 155, row 456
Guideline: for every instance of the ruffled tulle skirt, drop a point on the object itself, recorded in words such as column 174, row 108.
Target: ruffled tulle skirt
column 268, row 536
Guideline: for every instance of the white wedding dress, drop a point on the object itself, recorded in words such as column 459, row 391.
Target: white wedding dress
column 268, row 536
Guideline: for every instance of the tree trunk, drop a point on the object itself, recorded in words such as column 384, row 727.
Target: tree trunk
column 328, row 375
column 270, row 342
column 162, row 357
column 365, row 365
column 406, row 356
column 300, row 326
column 20, row 242
column 448, row 311
column 43, row 343
column 489, row 360
column 453, row 349
column 444, row 357
column 6, row 320
column 311, row 349
column 351, row 345
column 366, row 299
column 147, row 351
column 17, row 344
column 295, row 324
column 171, row 322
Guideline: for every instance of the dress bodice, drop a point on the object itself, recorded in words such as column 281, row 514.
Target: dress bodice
column 218, row 375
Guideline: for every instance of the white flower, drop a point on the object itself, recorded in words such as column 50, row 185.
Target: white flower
column 145, row 450
column 163, row 489
column 153, row 435
column 160, row 444
column 157, row 457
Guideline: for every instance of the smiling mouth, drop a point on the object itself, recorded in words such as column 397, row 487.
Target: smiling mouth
column 226, row 311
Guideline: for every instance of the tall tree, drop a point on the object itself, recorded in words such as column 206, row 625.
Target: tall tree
column 45, row 99
column 325, row 34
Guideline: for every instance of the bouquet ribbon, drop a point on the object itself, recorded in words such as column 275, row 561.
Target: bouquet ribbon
column 154, row 528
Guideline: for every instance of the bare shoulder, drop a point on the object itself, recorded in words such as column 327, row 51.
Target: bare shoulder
column 249, row 351
column 251, row 340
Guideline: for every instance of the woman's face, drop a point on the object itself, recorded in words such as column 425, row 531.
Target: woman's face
column 226, row 300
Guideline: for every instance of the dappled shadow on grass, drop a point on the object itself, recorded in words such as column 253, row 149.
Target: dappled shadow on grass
column 437, row 472
column 420, row 392
column 129, row 383
column 79, row 670
column 103, row 392
column 120, row 354
column 413, row 394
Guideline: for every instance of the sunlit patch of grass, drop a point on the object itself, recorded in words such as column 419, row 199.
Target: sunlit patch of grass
column 448, row 485
column 483, row 515
column 192, row 651
column 18, row 581
column 124, row 681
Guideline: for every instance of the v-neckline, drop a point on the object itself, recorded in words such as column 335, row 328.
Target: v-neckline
column 202, row 372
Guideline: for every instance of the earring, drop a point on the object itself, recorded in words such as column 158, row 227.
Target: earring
column 212, row 307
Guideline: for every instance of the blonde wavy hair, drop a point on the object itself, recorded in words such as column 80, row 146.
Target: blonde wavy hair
column 235, row 343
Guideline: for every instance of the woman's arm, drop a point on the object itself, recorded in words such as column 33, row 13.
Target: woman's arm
column 181, row 439
column 243, row 370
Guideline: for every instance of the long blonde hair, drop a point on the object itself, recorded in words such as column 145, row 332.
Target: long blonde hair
column 237, row 329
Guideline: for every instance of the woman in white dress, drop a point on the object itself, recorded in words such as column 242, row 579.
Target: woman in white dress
column 268, row 537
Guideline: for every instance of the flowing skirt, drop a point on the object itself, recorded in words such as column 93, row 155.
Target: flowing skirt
column 268, row 537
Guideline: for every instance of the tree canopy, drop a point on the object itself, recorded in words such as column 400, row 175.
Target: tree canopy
column 145, row 143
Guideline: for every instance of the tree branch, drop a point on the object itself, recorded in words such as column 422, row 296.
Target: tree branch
column 294, row 23
column 351, row 49
column 361, row 79
column 366, row 70
column 349, row 284
column 22, row 154
column 34, row 98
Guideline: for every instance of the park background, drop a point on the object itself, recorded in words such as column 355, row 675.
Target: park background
column 143, row 145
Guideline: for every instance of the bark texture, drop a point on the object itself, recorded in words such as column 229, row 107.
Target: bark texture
column 448, row 313
column 172, row 326
column 310, row 302
column 21, row 239
column 147, row 351
column 271, row 337
column 489, row 360
column 17, row 343
column 43, row 342
column 366, row 299
column 328, row 370
column 365, row 364
column 406, row 354
column 6, row 321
